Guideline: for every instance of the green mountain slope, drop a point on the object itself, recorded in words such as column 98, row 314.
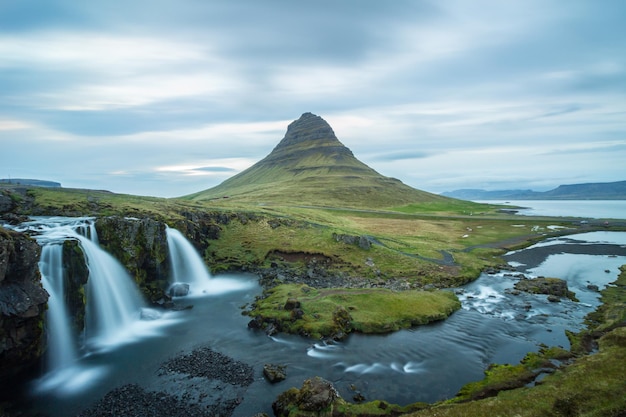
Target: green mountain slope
column 310, row 166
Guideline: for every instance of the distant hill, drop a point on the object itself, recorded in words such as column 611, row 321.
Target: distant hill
column 589, row 191
column 27, row 181
column 310, row 166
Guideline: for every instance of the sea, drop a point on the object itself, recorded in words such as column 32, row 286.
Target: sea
column 592, row 209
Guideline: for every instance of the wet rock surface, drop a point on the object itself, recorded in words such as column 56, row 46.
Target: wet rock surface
column 206, row 363
column 274, row 373
column 201, row 383
column 22, row 304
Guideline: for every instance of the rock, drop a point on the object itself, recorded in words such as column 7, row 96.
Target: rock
column 316, row 395
column 361, row 241
column 149, row 314
column 554, row 299
column 178, row 289
column 6, row 202
column 297, row 314
column 22, row 305
column 551, row 286
column 141, row 246
column 274, row 373
column 292, row 304
column 593, row 287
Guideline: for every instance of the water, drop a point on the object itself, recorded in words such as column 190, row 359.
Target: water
column 62, row 350
column 427, row 363
column 114, row 305
column 593, row 209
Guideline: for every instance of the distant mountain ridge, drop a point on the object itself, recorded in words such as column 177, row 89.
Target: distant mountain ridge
column 28, row 181
column 588, row 191
column 310, row 166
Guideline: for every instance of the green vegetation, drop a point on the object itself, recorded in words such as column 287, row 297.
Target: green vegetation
column 318, row 313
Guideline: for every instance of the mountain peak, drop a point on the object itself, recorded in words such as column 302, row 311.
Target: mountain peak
column 309, row 130
column 310, row 166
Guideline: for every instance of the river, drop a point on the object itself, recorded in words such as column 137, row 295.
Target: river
column 426, row 363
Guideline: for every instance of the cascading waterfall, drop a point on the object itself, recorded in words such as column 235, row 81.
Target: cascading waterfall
column 61, row 342
column 113, row 302
column 187, row 265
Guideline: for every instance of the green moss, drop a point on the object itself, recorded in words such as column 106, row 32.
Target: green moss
column 328, row 312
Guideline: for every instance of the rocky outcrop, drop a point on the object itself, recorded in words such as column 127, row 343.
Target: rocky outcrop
column 316, row 395
column 22, row 304
column 141, row 246
column 75, row 277
column 555, row 288
column 361, row 241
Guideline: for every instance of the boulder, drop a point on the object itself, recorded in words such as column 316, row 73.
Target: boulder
column 361, row 241
column 274, row 373
column 291, row 304
column 316, row 395
column 179, row 289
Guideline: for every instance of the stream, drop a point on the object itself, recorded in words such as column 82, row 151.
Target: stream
column 427, row 363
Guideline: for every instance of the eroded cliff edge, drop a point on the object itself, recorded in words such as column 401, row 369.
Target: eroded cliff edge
column 22, row 304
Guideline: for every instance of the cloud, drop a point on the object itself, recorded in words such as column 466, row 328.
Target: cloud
column 163, row 97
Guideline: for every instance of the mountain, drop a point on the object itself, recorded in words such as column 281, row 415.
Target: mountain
column 27, row 181
column 310, row 166
column 588, row 191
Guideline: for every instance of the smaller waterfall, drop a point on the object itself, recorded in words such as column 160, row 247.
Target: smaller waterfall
column 187, row 265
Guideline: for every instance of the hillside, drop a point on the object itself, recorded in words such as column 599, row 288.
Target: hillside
column 310, row 166
column 588, row 191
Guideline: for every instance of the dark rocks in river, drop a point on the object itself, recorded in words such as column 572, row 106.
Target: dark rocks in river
column 22, row 305
column 206, row 363
column 316, row 395
column 134, row 401
column 274, row 373
column 554, row 287
column 201, row 383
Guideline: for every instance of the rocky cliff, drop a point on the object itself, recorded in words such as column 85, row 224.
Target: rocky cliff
column 22, row 304
column 141, row 246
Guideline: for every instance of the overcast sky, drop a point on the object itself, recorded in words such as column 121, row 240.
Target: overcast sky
column 169, row 97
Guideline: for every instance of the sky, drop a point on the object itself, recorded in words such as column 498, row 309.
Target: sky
column 170, row 97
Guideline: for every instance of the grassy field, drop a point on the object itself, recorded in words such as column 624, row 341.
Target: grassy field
column 327, row 312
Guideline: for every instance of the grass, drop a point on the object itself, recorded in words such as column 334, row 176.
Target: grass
column 327, row 312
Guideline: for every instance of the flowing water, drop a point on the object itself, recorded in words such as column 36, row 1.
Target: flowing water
column 426, row 363
column 186, row 269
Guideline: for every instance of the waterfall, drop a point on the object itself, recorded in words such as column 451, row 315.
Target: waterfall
column 113, row 301
column 61, row 342
column 114, row 307
column 187, row 265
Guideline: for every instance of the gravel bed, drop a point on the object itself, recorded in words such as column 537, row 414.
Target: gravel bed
column 200, row 383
